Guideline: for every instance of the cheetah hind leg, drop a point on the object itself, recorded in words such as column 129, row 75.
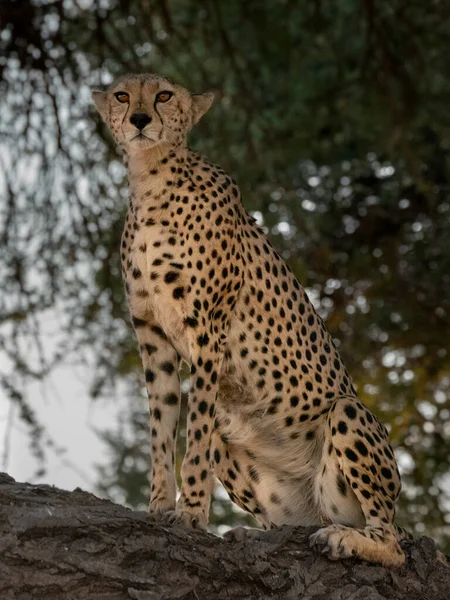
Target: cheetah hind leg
column 371, row 543
column 237, row 473
column 358, row 442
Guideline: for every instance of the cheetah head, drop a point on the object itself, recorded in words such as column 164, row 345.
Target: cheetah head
column 146, row 111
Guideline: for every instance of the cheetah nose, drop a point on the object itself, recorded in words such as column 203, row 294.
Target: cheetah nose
column 140, row 120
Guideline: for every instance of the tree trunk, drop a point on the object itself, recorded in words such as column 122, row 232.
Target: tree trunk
column 57, row 545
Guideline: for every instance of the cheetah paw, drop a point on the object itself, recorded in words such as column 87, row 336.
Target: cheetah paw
column 335, row 541
column 161, row 506
column 196, row 520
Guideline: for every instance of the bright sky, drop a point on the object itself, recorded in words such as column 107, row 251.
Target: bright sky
column 70, row 417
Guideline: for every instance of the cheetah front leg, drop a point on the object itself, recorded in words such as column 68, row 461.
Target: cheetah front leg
column 196, row 473
column 161, row 363
column 358, row 454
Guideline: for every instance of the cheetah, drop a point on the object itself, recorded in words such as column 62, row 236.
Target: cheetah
column 272, row 411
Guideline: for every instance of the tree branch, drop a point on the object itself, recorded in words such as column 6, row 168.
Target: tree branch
column 56, row 544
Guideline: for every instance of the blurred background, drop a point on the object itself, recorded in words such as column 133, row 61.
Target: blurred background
column 334, row 117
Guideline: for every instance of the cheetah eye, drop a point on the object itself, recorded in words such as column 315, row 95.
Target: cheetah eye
column 122, row 97
column 164, row 96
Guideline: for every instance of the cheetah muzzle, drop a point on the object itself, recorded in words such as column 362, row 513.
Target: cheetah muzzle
column 272, row 411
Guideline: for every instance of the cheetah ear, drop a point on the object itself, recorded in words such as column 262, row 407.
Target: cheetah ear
column 201, row 103
column 100, row 102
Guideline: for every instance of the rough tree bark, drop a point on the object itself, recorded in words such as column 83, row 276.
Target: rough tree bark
column 57, row 545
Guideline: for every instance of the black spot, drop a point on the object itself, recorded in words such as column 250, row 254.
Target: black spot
column 190, row 322
column 150, row 349
column 350, row 411
column 203, row 340
column 138, row 322
column 342, row 427
column 159, row 332
column 386, row 473
column 149, row 375
column 171, row 399
column 388, row 453
column 203, row 407
column 171, row 276
column 351, row 455
column 178, row 293
column 168, row 368
column 361, row 447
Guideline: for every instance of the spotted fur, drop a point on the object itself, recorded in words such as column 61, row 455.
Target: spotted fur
column 272, row 410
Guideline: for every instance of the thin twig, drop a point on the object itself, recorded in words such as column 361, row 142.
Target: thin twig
column 7, row 437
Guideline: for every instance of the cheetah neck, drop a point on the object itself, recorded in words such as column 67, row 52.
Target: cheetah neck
column 150, row 171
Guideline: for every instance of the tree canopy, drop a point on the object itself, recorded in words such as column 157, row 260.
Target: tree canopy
column 334, row 119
